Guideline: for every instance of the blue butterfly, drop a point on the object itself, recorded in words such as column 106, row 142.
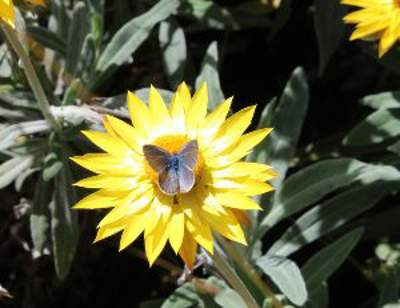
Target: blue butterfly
column 175, row 171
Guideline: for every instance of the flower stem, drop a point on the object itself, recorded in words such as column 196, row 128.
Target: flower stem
column 31, row 75
column 230, row 276
column 251, row 274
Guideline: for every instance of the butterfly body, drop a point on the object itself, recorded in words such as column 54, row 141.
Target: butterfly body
column 175, row 171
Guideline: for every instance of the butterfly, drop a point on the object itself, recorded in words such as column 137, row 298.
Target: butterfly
column 175, row 171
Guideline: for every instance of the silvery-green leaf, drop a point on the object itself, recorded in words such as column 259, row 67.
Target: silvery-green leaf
column 384, row 100
column 228, row 298
column 47, row 39
column 209, row 74
column 40, row 218
column 326, row 261
column 331, row 215
column 12, row 168
column 64, row 225
column 76, row 37
column 287, row 122
column 9, row 134
column 310, row 184
column 184, row 297
column 210, row 14
column 173, row 46
column 329, row 28
column 378, row 127
column 388, row 289
column 286, row 275
column 131, row 36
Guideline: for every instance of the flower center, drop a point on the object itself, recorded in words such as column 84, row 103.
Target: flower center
column 173, row 144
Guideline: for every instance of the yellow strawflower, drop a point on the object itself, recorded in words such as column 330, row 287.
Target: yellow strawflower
column 143, row 197
column 7, row 13
column 377, row 19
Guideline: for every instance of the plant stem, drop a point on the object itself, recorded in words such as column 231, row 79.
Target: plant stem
column 31, row 75
column 233, row 279
column 247, row 269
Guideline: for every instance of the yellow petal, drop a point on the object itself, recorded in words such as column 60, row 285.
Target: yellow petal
column 228, row 226
column 160, row 209
column 184, row 93
column 177, row 110
column 366, row 3
column 188, row 250
column 108, row 231
column 132, row 231
column 158, row 110
column 7, row 13
column 176, row 230
column 197, row 111
column 127, row 133
column 241, row 169
column 194, row 223
column 390, row 36
column 108, row 127
column 231, row 130
column 109, row 182
column 214, row 120
column 99, row 200
column 240, row 149
column 140, row 114
column 136, row 202
column 237, row 200
column 252, row 187
column 108, row 143
column 106, row 163
column 155, row 242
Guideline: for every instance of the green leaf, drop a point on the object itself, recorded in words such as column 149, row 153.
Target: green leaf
column 329, row 28
column 310, row 184
column 9, row 134
column 76, row 37
column 286, row 275
column 287, row 122
column 384, row 100
column 334, row 213
column 319, row 297
column 380, row 126
column 324, row 263
column 64, row 226
column 209, row 74
column 184, row 296
column 211, row 14
column 173, row 46
column 388, row 289
column 12, row 168
column 260, row 153
column 131, row 36
column 52, row 165
column 48, row 39
column 39, row 219
column 86, row 58
column 228, row 298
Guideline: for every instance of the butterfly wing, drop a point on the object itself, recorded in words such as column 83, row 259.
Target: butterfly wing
column 185, row 179
column 187, row 161
column 168, row 181
column 188, row 155
column 157, row 157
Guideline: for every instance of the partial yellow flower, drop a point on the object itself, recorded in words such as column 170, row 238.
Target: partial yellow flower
column 130, row 186
column 378, row 19
column 7, row 12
